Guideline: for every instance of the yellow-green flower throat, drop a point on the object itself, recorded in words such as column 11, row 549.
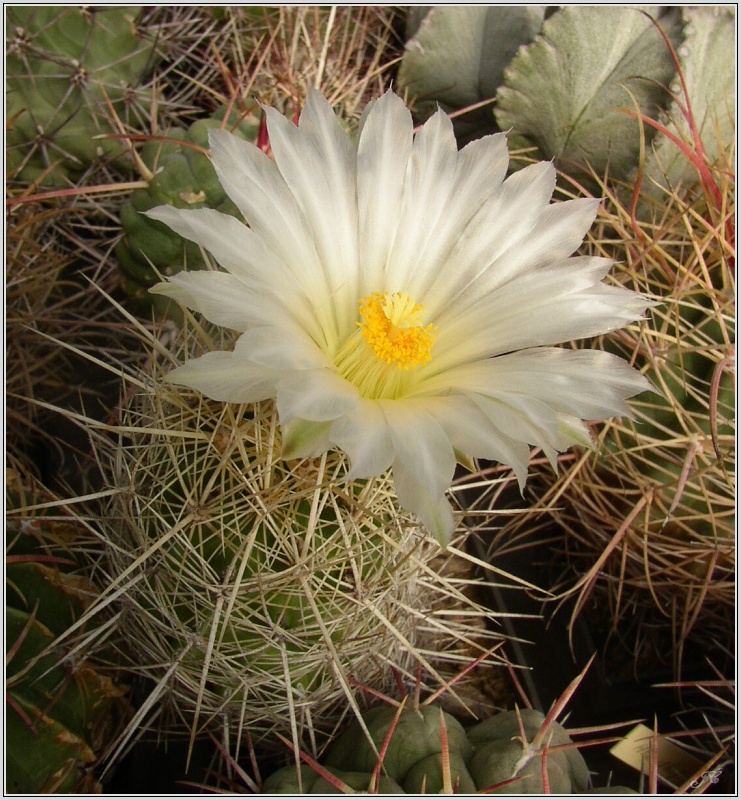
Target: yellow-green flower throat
column 388, row 345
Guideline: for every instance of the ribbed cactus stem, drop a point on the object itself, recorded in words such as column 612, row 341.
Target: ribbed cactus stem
column 261, row 592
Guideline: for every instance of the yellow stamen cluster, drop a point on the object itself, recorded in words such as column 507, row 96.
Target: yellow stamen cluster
column 389, row 342
column 391, row 327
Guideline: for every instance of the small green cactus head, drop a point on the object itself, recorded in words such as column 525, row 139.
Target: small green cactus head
column 181, row 175
column 418, row 748
column 427, row 751
column 261, row 583
column 65, row 65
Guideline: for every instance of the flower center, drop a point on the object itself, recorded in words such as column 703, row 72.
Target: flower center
column 391, row 327
column 388, row 344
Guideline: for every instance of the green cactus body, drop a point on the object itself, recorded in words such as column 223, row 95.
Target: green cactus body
column 226, row 540
column 63, row 65
column 183, row 177
column 257, row 562
column 259, row 590
column 416, row 739
column 57, row 714
column 429, row 773
column 310, row 782
column 261, row 576
column 500, row 755
column 480, row 758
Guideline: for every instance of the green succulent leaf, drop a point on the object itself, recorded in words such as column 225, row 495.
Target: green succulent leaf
column 563, row 93
column 44, row 757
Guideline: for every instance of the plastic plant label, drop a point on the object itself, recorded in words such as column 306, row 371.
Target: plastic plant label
column 675, row 765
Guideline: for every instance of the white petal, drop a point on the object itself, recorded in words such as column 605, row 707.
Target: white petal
column 384, row 148
column 258, row 189
column 513, row 212
column 315, row 395
column 303, row 439
column 588, row 384
column 523, row 419
column 364, row 435
column 240, row 251
column 424, row 465
column 557, row 233
column 283, row 348
column 484, row 161
column 433, row 509
column 225, row 377
column 571, row 431
column 488, row 256
column 471, row 432
column 230, row 241
column 220, row 297
column 317, row 162
column 560, row 303
column 429, row 182
column 480, row 169
column 436, row 213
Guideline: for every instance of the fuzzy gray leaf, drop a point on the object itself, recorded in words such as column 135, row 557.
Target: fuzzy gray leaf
column 458, row 55
column 563, row 92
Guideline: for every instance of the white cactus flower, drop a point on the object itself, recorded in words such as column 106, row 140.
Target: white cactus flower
column 401, row 300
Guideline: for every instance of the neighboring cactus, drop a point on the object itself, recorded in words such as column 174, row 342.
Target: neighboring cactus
column 650, row 518
column 55, row 316
column 64, row 65
column 564, row 92
column 59, row 706
column 455, row 57
column 181, row 175
column 255, row 588
column 667, row 478
column 708, row 61
column 560, row 77
column 481, row 757
column 426, row 751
